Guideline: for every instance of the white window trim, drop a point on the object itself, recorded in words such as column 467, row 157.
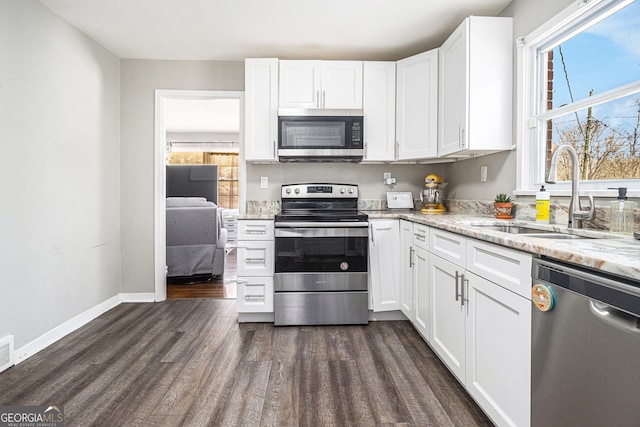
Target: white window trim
column 528, row 159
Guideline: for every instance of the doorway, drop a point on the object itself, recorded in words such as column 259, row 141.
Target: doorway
column 186, row 134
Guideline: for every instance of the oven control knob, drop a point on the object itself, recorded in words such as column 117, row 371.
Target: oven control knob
column 342, row 191
column 297, row 191
column 351, row 191
column 288, row 191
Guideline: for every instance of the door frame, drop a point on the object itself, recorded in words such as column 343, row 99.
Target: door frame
column 160, row 190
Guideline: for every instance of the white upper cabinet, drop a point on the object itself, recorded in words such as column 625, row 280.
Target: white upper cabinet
column 417, row 106
column 321, row 84
column 261, row 109
column 475, row 88
column 379, row 105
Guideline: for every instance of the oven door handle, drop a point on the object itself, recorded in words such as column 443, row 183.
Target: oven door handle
column 345, row 232
column 312, row 224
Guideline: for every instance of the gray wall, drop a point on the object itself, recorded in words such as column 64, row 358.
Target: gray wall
column 60, row 166
column 464, row 176
column 368, row 177
column 139, row 80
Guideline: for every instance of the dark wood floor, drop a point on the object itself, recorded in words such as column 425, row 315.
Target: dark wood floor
column 218, row 287
column 188, row 362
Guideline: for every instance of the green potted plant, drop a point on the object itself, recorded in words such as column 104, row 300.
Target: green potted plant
column 503, row 206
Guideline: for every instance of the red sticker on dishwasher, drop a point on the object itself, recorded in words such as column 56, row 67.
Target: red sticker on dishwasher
column 542, row 297
column 344, row 266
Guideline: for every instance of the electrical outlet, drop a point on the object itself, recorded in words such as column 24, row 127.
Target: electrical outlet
column 483, row 174
column 386, row 177
column 264, row 182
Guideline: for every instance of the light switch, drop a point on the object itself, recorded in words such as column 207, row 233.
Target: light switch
column 264, row 182
column 483, row 174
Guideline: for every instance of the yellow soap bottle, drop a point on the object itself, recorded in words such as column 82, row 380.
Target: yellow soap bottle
column 543, row 200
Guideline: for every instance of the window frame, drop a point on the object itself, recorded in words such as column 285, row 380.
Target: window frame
column 531, row 153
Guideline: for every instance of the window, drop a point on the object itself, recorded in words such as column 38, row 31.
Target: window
column 579, row 84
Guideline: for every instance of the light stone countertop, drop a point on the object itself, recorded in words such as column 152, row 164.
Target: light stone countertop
column 611, row 253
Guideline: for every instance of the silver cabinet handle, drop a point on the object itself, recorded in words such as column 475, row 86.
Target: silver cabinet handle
column 256, row 231
column 465, row 296
column 275, row 149
column 324, row 99
column 457, row 278
column 421, row 237
column 317, row 99
column 411, row 257
column 254, row 260
column 253, row 297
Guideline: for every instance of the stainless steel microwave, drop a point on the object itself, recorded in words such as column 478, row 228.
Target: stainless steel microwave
column 320, row 138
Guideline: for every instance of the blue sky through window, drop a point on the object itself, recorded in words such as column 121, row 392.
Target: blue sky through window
column 604, row 57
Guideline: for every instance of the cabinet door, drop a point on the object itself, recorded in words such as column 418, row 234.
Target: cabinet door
column 453, row 89
column 255, row 258
column 421, row 291
column 383, row 264
column 417, row 106
column 498, row 361
column 261, row 109
column 341, row 84
column 300, row 84
column 379, row 104
column 406, row 269
column 447, row 320
column 255, row 295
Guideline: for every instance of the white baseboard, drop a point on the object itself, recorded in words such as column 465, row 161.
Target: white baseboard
column 23, row 353
column 139, row 297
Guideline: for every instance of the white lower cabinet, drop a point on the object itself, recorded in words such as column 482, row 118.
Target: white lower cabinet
column 255, row 268
column 406, row 270
column 447, row 314
column 414, row 275
column 498, row 351
column 480, row 328
column 421, row 291
column 383, row 264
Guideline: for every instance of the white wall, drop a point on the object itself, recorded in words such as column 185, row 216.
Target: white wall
column 60, row 169
column 464, row 176
column 139, row 80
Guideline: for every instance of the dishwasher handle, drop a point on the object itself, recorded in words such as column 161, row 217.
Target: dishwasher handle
column 614, row 317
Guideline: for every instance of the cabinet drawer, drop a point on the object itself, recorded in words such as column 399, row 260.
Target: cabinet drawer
column 421, row 236
column 255, row 230
column 449, row 246
column 508, row 268
column 255, row 258
column 255, row 295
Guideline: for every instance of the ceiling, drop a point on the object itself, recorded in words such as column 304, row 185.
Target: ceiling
column 286, row 29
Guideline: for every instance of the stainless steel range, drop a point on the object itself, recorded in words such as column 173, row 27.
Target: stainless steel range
column 321, row 251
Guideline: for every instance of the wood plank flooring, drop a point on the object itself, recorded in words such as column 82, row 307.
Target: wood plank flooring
column 188, row 362
column 219, row 287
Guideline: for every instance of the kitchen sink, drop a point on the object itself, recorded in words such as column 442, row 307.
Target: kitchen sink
column 529, row 231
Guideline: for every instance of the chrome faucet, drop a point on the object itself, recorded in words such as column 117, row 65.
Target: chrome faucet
column 576, row 214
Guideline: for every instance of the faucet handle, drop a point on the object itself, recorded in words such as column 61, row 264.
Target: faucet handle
column 588, row 215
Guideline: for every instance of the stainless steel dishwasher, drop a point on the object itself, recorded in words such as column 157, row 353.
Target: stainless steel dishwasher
column 586, row 347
